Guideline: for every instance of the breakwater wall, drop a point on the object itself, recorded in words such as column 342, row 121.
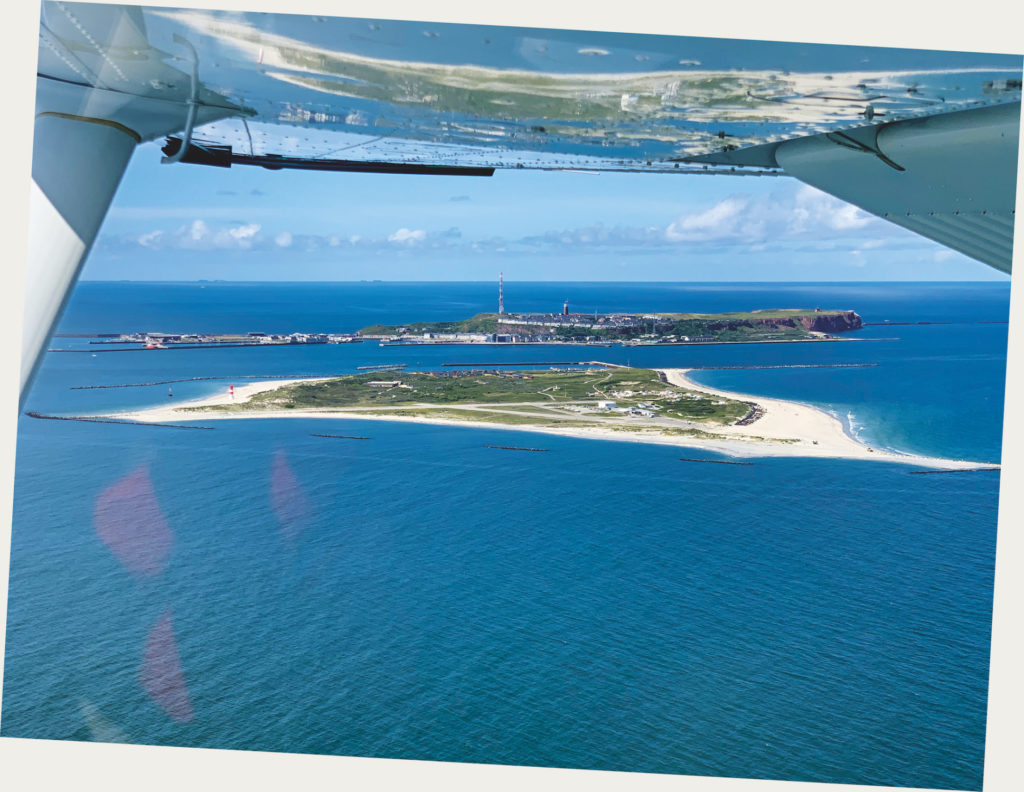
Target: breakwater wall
column 91, row 419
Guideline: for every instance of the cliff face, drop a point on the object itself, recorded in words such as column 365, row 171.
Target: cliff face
column 832, row 323
column 826, row 322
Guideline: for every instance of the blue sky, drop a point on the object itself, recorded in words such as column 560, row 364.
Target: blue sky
column 188, row 222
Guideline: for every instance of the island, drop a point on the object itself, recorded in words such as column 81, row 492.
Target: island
column 608, row 401
column 565, row 327
column 786, row 324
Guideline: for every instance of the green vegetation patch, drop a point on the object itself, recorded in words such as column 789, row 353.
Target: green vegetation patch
column 580, row 391
column 481, row 323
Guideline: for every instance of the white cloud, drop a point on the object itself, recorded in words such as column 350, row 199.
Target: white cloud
column 721, row 221
column 818, row 210
column 807, row 212
column 197, row 235
column 198, row 231
column 241, row 236
column 245, row 231
column 152, row 239
column 403, row 236
column 792, row 217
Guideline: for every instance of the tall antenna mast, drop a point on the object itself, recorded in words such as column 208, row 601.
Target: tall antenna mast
column 501, row 292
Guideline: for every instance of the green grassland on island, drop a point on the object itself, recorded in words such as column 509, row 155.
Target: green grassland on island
column 551, row 398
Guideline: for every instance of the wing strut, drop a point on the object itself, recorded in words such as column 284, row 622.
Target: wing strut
column 77, row 166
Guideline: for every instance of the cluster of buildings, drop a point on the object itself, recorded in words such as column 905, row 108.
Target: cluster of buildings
column 669, row 394
column 641, row 410
column 484, row 338
column 158, row 340
column 291, row 338
column 593, row 321
column 546, row 328
column 461, row 337
column 527, row 333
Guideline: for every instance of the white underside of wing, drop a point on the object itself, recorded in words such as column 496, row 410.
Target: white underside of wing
column 951, row 178
column 54, row 252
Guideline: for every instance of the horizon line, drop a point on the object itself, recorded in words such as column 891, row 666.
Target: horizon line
column 1004, row 282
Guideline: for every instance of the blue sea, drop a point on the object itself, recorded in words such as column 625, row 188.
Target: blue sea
column 419, row 595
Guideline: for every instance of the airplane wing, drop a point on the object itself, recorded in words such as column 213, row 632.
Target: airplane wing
column 925, row 139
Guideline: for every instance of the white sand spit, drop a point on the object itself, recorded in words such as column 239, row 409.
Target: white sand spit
column 786, row 429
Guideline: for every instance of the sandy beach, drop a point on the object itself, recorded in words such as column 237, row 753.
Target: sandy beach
column 786, row 429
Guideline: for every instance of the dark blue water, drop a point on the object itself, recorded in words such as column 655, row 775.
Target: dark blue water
column 602, row 605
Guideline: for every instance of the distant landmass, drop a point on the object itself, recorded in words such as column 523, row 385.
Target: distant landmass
column 788, row 324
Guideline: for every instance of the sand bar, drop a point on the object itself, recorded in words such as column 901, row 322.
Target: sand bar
column 786, row 429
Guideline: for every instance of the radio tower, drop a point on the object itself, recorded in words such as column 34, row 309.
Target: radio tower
column 501, row 293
